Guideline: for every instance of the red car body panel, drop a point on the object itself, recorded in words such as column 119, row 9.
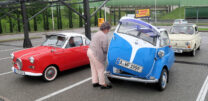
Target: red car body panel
column 47, row 55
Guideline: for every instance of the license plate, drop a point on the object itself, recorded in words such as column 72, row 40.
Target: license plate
column 19, row 72
column 129, row 65
column 178, row 51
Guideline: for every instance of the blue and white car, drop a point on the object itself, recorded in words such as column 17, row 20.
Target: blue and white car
column 140, row 52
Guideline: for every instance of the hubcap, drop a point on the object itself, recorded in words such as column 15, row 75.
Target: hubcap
column 50, row 73
column 164, row 79
column 194, row 52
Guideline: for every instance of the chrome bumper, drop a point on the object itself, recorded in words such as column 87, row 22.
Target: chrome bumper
column 181, row 50
column 131, row 78
column 28, row 73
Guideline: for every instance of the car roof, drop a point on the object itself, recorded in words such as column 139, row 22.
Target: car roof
column 67, row 34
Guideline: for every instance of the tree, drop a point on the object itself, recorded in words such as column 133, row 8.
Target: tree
column 114, row 13
column 119, row 12
column 80, row 18
column 70, row 15
column 18, row 21
column 47, row 22
column 96, row 19
column 0, row 27
column 100, row 13
column 10, row 25
column 35, row 22
column 60, row 18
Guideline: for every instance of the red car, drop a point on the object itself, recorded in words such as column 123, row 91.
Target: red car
column 59, row 52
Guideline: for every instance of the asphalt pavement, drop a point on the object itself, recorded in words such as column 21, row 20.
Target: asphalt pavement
column 185, row 83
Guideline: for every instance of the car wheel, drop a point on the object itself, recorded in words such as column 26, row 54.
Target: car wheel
column 50, row 73
column 163, row 80
column 112, row 80
column 198, row 48
column 193, row 53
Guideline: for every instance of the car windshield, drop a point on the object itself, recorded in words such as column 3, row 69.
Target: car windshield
column 182, row 30
column 138, row 30
column 54, row 40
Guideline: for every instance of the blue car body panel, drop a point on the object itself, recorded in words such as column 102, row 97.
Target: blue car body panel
column 146, row 57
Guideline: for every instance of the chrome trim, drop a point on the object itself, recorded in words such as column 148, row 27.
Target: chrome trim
column 131, row 78
column 30, row 73
column 12, row 55
column 20, row 61
column 183, row 49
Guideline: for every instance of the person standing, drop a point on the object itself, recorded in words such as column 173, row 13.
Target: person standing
column 97, row 53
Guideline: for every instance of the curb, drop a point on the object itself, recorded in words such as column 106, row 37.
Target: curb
column 18, row 39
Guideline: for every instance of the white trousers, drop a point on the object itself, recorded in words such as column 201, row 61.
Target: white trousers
column 97, row 69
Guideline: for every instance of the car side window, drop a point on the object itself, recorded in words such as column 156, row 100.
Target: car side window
column 87, row 41
column 164, row 39
column 74, row 42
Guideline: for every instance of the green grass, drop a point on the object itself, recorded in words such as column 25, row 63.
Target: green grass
column 203, row 29
column 175, row 14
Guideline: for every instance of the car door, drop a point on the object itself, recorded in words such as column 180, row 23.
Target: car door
column 73, row 53
column 165, row 46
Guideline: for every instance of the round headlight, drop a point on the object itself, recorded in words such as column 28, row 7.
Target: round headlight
column 19, row 64
column 161, row 53
column 32, row 60
column 12, row 55
column 188, row 43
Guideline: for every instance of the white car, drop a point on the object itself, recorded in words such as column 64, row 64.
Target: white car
column 180, row 21
column 185, row 38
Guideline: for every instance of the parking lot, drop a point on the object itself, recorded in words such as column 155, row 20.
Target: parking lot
column 188, row 81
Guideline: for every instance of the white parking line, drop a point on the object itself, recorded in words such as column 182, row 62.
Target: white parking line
column 203, row 91
column 6, row 73
column 63, row 90
column 5, row 58
column 9, row 49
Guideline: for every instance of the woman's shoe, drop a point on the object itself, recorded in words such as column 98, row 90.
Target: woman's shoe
column 105, row 86
column 95, row 85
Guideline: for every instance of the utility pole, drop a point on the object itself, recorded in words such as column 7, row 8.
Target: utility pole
column 87, row 20
column 27, row 43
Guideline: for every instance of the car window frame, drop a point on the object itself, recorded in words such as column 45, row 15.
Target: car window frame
column 196, row 29
column 85, row 40
column 155, row 39
column 74, row 46
column 166, row 32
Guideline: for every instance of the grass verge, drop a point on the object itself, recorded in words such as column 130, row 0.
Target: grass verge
column 203, row 29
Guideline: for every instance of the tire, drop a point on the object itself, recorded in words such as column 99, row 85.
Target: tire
column 50, row 73
column 162, row 84
column 112, row 80
column 193, row 53
column 198, row 48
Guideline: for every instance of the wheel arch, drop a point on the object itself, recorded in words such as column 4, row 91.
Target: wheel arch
column 166, row 67
column 57, row 67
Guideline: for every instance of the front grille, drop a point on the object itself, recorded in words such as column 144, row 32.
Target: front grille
column 123, row 72
column 19, row 64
